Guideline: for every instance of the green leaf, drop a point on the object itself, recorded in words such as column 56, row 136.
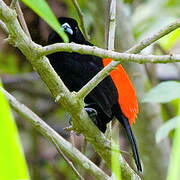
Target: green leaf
column 163, row 93
column 12, row 162
column 115, row 163
column 173, row 171
column 165, row 129
column 43, row 10
column 168, row 41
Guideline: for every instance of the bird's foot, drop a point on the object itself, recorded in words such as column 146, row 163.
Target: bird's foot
column 92, row 114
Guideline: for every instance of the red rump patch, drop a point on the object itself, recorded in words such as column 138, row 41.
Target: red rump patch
column 126, row 92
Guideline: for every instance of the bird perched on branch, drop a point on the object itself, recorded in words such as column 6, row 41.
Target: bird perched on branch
column 113, row 97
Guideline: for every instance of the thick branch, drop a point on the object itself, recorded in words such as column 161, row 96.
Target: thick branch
column 52, row 135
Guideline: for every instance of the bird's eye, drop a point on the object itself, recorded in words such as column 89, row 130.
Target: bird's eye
column 67, row 28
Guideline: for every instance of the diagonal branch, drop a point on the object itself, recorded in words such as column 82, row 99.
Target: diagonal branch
column 4, row 27
column 154, row 37
column 21, row 19
column 81, row 17
column 67, row 160
column 54, row 137
column 15, row 5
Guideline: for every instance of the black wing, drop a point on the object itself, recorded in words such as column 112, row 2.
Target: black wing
column 76, row 70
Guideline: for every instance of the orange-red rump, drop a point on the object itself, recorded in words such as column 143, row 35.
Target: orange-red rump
column 126, row 92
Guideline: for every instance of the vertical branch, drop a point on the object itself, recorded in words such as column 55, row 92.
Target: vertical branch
column 81, row 17
column 112, row 24
column 110, row 43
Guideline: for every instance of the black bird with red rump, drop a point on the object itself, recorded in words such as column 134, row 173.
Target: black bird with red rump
column 113, row 97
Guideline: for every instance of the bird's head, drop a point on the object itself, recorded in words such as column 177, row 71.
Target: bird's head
column 70, row 27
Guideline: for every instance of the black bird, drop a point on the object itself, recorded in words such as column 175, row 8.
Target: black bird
column 113, row 97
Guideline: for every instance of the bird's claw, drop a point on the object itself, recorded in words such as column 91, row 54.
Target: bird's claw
column 92, row 114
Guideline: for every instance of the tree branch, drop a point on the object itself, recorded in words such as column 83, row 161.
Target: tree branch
column 112, row 25
column 103, row 53
column 110, row 44
column 67, row 160
column 54, row 137
column 81, row 17
column 21, row 19
column 3, row 27
column 148, row 41
column 13, row 4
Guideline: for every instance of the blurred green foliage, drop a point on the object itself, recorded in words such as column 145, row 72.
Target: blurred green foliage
column 8, row 63
column 13, row 165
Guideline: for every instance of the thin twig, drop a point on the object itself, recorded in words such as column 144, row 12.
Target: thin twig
column 13, row 4
column 67, row 160
column 110, row 43
column 112, row 25
column 4, row 27
column 154, row 37
column 81, row 17
column 22, row 20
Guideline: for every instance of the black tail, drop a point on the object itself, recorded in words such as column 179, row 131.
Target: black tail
column 132, row 140
column 124, row 121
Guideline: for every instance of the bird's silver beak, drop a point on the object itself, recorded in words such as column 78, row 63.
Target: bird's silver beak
column 66, row 28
